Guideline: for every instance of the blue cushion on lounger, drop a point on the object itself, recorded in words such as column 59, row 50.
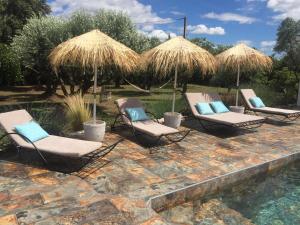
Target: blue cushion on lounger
column 204, row 108
column 32, row 131
column 257, row 102
column 136, row 114
column 219, row 107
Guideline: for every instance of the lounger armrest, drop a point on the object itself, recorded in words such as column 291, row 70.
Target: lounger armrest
column 154, row 117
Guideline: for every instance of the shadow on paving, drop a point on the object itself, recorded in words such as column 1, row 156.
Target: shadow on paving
column 77, row 167
column 217, row 130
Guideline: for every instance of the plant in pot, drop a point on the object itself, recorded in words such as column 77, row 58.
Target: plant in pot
column 78, row 116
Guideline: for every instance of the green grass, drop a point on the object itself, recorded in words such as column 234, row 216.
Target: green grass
column 52, row 117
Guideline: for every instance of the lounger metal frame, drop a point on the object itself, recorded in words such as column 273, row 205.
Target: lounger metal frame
column 92, row 156
column 119, row 122
column 249, row 125
column 277, row 116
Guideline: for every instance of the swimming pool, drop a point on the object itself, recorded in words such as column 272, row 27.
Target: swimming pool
column 268, row 199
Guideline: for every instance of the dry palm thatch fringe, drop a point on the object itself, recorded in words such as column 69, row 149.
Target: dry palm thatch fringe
column 96, row 50
column 247, row 58
column 181, row 53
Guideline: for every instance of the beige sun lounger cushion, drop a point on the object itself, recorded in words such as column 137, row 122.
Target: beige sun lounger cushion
column 153, row 128
column 149, row 127
column 228, row 118
column 249, row 93
column 53, row 144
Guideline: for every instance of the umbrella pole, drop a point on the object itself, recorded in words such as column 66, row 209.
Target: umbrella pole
column 95, row 94
column 174, row 91
column 237, row 86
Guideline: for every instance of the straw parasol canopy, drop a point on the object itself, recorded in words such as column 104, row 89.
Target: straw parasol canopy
column 97, row 51
column 242, row 57
column 94, row 49
column 179, row 54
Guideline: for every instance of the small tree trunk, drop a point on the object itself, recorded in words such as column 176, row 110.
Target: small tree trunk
column 184, row 86
column 118, row 82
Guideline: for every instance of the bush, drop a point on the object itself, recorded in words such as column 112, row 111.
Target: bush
column 77, row 112
column 10, row 70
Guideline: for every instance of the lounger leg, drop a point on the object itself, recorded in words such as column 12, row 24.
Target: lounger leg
column 40, row 154
column 185, row 133
column 117, row 120
column 101, row 152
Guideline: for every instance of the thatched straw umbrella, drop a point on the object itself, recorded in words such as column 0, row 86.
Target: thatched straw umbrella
column 242, row 57
column 97, row 51
column 179, row 54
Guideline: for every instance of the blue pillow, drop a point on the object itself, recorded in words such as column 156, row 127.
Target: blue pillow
column 32, row 131
column 257, row 102
column 204, row 108
column 136, row 114
column 219, row 107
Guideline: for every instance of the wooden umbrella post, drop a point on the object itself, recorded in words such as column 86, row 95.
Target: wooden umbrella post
column 237, row 86
column 95, row 94
column 174, row 90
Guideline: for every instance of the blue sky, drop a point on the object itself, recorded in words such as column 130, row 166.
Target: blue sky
column 253, row 22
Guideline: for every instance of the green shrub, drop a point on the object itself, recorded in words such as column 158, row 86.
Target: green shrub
column 10, row 70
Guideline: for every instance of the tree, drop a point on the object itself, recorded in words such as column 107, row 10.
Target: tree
column 10, row 70
column 288, row 43
column 14, row 14
column 40, row 35
column 210, row 46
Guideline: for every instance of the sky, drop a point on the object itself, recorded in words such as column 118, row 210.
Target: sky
column 228, row 22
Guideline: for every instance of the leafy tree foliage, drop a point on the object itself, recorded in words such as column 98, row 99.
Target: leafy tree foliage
column 288, row 44
column 10, row 70
column 15, row 13
column 210, row 46
column 40, row 35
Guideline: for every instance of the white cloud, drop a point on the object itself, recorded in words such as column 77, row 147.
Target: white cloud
column 140, row 13
column 230, row 17
column 246, row 42
column 177, row 13
column 160, row 34
column 267, row 46
column 285, row 8
column 203, row 29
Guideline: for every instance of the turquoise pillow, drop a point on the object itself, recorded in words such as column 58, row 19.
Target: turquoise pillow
column 32, row 131
column 136, row 114
column 204, row 108
column 219, row 107
column 257, row 102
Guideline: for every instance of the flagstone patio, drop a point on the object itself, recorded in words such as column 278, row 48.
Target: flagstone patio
column 123, row 187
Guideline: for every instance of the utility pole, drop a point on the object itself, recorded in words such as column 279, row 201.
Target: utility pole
column 184, row 26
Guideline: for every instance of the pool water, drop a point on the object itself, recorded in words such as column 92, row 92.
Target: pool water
column 266, row 199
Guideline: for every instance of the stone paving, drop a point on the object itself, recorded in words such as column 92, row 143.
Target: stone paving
column 122, row 187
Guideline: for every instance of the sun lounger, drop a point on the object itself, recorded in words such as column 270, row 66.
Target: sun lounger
column 231, row 119
column 286, row 114
column 151, row 127
column 55, row 145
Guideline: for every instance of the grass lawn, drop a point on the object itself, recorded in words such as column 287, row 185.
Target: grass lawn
column 158, row 102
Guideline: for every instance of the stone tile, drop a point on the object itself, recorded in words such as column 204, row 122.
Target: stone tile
column 8, row 220
column 121, row 190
